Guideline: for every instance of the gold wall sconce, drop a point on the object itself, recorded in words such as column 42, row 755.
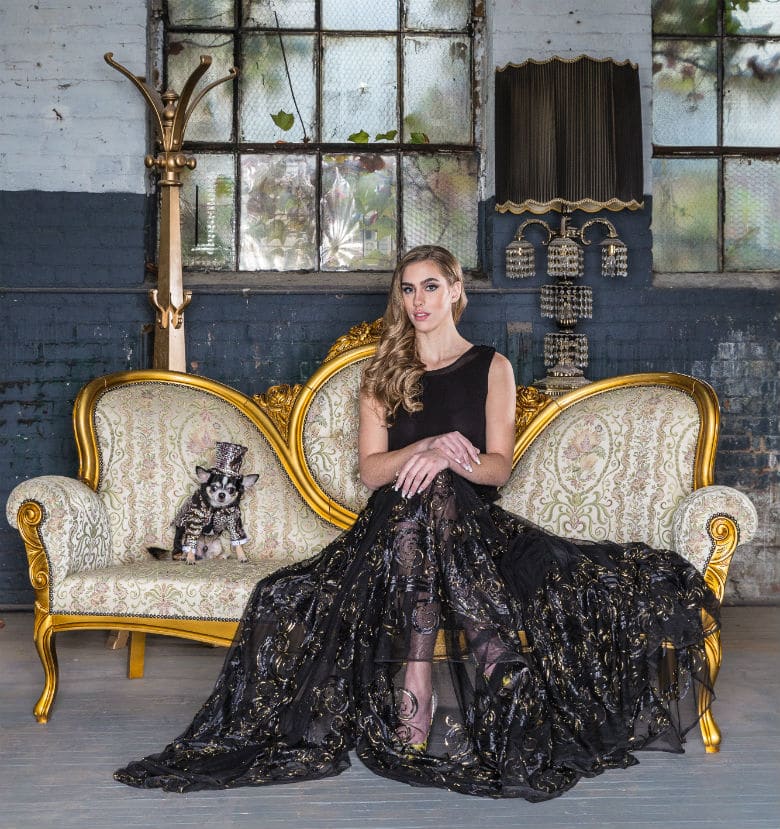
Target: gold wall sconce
column 171, row 112
column 568, row 137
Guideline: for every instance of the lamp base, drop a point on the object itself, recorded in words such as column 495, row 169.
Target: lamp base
column 554, row 385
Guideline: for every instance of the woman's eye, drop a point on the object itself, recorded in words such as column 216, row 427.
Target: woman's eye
column 432, row 287
column 406, row 289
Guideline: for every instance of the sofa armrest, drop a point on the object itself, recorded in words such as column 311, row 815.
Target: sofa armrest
column 709, row 524
column 64, row 519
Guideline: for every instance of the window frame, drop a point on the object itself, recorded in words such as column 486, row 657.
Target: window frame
column 720, row 152
column 317, row 278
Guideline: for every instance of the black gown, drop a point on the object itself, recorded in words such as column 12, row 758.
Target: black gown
column 548, row 660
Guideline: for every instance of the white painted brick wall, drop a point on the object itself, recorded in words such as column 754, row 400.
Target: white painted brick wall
column 68, row 121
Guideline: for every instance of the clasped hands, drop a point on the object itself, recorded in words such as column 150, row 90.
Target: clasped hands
column 449, row 451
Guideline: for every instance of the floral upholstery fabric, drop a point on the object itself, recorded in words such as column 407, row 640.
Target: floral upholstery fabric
column 212, row 589
column 75, row 523
column 613, row 466
column 151, row 438
column 691, row 521
column 330, row 438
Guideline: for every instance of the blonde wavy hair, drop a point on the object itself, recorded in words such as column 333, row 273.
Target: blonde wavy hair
column 393, row 376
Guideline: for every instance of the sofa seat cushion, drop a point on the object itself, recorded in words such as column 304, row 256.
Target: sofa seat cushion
column 215, row 589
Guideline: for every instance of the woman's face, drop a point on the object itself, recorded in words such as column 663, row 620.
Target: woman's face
column 427, row 295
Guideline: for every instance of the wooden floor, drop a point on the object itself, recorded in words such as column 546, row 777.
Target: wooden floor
column 59, row 774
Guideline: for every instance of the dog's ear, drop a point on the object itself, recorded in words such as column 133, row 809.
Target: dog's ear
column 202, row 474
column 249, row 480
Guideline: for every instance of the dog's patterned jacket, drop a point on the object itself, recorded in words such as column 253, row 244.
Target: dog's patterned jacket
column 197, row 517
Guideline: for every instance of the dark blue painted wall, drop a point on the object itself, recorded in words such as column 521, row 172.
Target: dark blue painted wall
column 74, row 307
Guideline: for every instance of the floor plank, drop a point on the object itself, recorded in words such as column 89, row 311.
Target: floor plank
column 59, row 774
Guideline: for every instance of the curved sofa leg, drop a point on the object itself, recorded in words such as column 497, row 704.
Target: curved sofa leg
column 709, row 728
column 44, row 643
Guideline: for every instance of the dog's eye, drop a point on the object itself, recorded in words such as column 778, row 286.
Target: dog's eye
column 231, row 490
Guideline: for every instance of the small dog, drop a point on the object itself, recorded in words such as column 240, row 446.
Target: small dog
column 213, row 509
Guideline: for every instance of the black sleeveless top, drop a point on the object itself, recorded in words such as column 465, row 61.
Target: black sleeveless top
column 453, row 398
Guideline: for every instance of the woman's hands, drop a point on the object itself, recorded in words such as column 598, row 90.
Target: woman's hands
column 448, row 451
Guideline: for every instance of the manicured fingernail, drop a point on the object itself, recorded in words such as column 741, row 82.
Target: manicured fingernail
column 420, row 490
column 468, row 469
column 479, row 461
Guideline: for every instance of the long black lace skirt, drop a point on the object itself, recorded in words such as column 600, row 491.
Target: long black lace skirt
column 451, row 644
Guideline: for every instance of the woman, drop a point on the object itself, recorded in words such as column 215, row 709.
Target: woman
column 449, row 642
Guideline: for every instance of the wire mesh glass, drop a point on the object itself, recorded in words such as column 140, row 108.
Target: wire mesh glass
column 452, row 15
column 212, row 119
column 291, row 14
column 692, row 17
column 278, row 212
column 756, row 17
column 359, row 15
column 208, row 221
column 437, row 90
column 751, row 94
column 685, row 214
column 360, row 87
column 358, row 212
column 440, row 202
column 266, row 89
column 685, row 106
column 751, row 228
column 211, row 13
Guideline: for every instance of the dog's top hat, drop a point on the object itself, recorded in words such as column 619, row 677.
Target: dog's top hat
column 229, row 458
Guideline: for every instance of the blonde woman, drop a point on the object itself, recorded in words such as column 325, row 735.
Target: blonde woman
column 401, row 639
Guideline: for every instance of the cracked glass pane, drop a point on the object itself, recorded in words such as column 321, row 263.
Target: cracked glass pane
column 278, row 203
column 358, row 212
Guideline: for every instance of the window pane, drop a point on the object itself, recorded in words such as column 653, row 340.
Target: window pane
column 211, row 13
column 692, row 17
column 751, row 95
column 437, row 89
column 752, row 232
column 212, row 120
column 684, row 93
column 438, row 14
column 685, row 214
column 292, row 14
column 265, row 89
column 759, row 17
column 278, row 203
column 440, row 203
column 358, row 212
column 208, row 222
column 376, row 15
column 359, row 87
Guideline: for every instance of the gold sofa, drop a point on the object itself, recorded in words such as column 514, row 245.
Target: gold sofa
column 628, row 458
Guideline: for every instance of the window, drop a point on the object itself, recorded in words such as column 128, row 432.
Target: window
column 349, row 133
column 716, row 135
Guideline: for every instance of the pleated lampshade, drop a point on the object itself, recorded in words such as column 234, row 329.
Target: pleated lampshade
column 568, row 136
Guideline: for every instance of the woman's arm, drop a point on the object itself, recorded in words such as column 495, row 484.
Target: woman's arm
column 415, row 466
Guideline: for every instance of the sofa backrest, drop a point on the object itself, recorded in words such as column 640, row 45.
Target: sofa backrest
column 615, row 458
column 141, row 435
